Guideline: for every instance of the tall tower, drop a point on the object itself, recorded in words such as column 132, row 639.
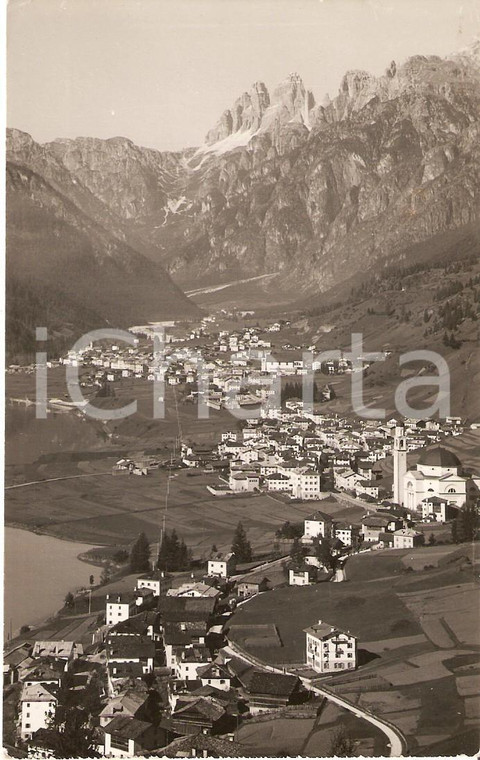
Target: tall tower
column 399, row 463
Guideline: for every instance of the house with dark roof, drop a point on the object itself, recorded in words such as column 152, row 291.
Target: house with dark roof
column 177, row 636
column 270, row 691
column 38, row 703
column 128, row 657
column 14, row 661
column 42, row 670
column 199, row 714
column 252, row 584
column 129, row 705
column 146, row 623
column 373, row 524
column 183, row 609
column 317, row 525
column 436, row 509
column 203, row 745
column 215, row 674
column 189, row 659
column 152, row 581
column 126, row 737
column 121, row 674
column 302, row 575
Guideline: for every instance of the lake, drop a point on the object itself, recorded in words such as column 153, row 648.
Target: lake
column 39, row 572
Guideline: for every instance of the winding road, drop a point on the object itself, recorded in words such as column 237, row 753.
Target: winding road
column 396, row 740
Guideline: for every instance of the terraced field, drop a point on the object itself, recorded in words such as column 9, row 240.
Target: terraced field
column 418, row 638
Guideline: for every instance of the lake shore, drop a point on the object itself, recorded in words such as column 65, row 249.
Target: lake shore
column 39, row 571
column 83, row 557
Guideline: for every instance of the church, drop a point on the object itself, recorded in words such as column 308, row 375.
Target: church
column 437, row 486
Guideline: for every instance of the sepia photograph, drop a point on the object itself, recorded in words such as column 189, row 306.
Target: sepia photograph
column 242, row 379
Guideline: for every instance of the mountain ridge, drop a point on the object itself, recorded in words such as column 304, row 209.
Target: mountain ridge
column 77, row 274
column 313, row 192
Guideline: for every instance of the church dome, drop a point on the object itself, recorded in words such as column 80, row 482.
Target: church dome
column 438, row 456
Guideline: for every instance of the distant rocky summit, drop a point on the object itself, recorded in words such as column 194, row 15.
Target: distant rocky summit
column 314, row 192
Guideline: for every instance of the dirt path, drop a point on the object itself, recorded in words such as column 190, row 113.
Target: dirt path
column 215, row 288
column 52, row 480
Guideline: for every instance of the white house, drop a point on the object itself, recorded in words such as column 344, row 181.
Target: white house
column 244, row 481
column 305, row 484
column 345, row 478
column 215, row 674
column 151, row 581
column 119, row 607
column 128, row 737
column 407, row 538
column 38, row 705
column 302, row 576
column 345, row 533
column 221, row 565
column 330, row 649
column 317, row 525
column 189, row 660
column 438, row 510
column 276, row 481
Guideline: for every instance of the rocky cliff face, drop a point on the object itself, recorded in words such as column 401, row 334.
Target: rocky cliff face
column 71, row 264
column 313, row 192
column 255, row 113
column 321, row 191
column 245, row 115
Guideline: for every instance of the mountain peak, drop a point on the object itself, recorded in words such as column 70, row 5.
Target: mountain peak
column 245, row 114
column 255, row 112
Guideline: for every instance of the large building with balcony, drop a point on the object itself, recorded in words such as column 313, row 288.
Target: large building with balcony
column 330, row 649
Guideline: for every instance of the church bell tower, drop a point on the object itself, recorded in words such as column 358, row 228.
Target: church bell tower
column 399, row 463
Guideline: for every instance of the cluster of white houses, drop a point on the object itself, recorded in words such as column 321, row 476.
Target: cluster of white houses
column 303, row 455
column 177, row 628
column 177, row 631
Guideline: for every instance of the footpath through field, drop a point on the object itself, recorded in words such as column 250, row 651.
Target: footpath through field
column 52, row 480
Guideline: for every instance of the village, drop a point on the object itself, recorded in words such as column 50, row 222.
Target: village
column 164, row 664
column 162, row 670
column 221, row 368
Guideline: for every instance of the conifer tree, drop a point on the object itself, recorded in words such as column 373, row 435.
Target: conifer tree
column 241, row 546
column 173, row 556
column 465, row 526
column 296, row 553
column 325, row 554
column 140, row 555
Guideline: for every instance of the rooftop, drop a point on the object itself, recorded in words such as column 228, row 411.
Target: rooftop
column 126, row 727
column 276, row 684
column 439, row 456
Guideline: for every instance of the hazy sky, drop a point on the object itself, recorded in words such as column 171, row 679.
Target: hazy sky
column 162, row 71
